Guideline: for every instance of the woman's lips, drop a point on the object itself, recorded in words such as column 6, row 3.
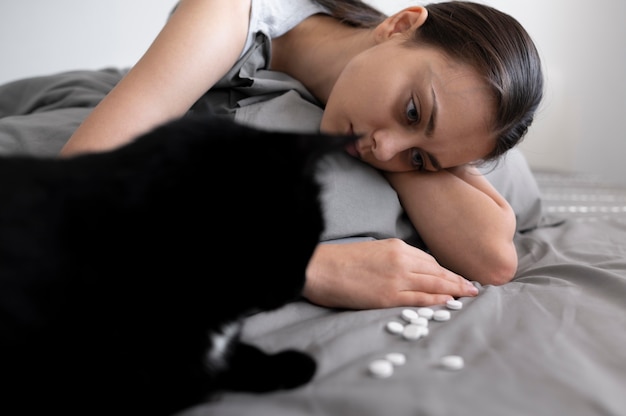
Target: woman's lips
column 353, row 150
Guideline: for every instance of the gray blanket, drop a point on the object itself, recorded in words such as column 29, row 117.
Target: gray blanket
column 551, row 342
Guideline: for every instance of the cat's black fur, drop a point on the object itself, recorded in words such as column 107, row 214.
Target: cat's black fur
column 116, row 267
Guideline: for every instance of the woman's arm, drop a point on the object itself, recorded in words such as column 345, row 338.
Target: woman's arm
column 200, row 42
column 466, row 224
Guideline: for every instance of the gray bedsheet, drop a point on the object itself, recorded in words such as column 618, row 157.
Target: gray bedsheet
column 551, row 342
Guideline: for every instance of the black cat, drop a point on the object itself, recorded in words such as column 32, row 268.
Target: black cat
column 124, row 275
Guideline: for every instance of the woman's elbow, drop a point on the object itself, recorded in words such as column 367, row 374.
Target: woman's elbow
column 503, row 264
column 502, row 268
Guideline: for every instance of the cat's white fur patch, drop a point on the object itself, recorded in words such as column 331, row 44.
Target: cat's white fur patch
column 217, row 355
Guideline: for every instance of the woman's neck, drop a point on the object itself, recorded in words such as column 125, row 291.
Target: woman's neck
column 317, row 50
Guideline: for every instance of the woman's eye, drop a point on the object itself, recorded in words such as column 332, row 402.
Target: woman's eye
column 412, row 113
column 417, row 160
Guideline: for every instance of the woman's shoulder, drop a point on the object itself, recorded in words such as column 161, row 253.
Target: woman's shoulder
column 273, row 18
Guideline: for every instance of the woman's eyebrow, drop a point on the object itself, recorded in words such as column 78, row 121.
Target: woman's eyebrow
column 430, row 127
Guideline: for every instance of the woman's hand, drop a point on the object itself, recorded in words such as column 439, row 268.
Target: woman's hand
column 380, row 274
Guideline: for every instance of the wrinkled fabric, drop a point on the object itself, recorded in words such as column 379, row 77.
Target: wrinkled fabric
column 551, row 342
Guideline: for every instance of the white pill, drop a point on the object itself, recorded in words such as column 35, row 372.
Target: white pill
column 381, row 368
column 395, row 327
column 452, row 362
column 454, row 304
column 441, row 315
column 420, row 320
column 396, row 358
column 413, row 332
column 409, row 314
column 426, row 312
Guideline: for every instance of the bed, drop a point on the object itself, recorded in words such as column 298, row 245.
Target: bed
column 550, row 342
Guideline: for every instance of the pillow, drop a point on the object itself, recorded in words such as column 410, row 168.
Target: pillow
column 359, row 202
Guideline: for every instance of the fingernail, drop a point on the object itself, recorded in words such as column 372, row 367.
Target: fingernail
column 472, row 289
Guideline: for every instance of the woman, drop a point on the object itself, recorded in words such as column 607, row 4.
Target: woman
column 430, row 90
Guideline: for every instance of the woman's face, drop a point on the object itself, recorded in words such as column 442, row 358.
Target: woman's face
column 414, row 108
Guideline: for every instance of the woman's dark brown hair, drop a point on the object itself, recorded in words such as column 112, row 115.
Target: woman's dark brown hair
column 492, row 42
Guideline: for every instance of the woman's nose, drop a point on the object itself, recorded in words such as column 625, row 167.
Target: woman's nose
column 387, row 144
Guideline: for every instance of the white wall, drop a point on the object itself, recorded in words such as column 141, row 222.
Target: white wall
column 582, row 44
column 44, row 36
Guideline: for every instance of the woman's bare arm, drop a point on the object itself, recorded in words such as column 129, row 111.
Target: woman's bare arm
column 466, row 224
column 199, row 44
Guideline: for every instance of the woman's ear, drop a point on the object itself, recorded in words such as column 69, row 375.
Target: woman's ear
column 405, row 20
